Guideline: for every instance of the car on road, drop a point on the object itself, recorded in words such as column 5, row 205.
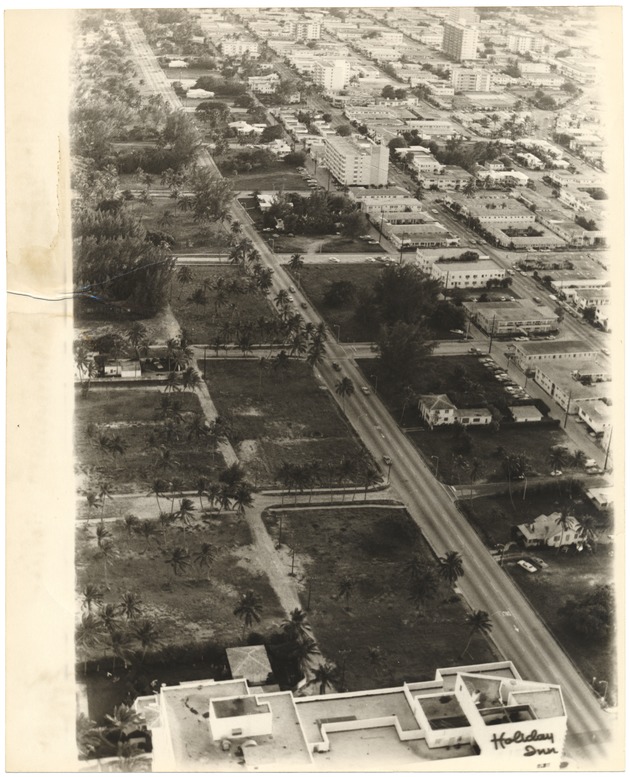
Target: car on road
column 537, row 300
column 526, row 566
column 555, row 473
column 365, row 390
column 292, row 289
column 370, row 259
column 474, row 351
column 303, row 305
column 336, row 367
column 605, row 351
column 333, row 259
column 387, row 460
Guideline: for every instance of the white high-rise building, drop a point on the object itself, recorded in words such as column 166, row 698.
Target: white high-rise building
column 357, row 161
column 460, row 41
column 471, row 79
column 307, row 30
column 520, row 43
column 332, row 74
column 464, row 14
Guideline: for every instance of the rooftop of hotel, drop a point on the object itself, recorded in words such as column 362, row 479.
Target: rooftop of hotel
column 443, row 711
column 508, row 311
column 186, row 708
column 315, row 712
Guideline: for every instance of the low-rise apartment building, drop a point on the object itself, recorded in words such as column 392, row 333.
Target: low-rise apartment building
column 512, row 318
column 438, row 410
column 528, row 355
column 236, row 47
column 429, row 234
column 597, row 414
column 449, row 178
column 264, row 84
column 569, row 383
column 453, row 274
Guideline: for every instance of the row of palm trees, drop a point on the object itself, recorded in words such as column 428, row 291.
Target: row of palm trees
column 299, row 478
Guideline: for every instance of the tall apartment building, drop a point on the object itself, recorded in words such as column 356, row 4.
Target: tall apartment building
column 357, row 161
column 460, row 40
column 464, row 14
column 332, row 74
column 471, row 79
column 520, row 43
column 306, row 30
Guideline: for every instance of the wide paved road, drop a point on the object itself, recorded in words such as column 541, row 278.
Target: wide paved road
column 518, row 632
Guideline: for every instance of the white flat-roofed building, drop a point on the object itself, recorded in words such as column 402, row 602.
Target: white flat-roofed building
column 583, row 298
column 528, row 68
column 332, row 75
column 359, row 193
column 460, row 40
column 264, row 84
column 596, row 414
column 425, row 164
column 461, row 274
column 471, row 79
column 569, row 383
column 520, row 43
column 378, row 206
column 529, row 354
column 476, row 716
column 356, row 161
column 506, row 318
column 498, row 178
column 450, row 177
column 530, row 160
column 236, row 47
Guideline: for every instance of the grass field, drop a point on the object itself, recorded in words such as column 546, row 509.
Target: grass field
column 572, row 576
column 315, row 280
column 162, row 214
column 204, row 322
column 278, row 416
column 130, row 413
column 194, row 605
column 371, row 546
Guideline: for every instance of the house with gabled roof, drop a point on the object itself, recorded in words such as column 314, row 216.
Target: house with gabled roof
column 546, row 530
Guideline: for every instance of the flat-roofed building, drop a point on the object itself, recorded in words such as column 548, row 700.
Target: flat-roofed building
column 453, row 274
column 332, row 75
column 530, row 354
column 448, row 178
column 356, row 161
column 471, row 79
column 460, row 40
column 597, row 414
column 567, row 383
column 477, row 716
column 522, row 42
column 236, row 47
column 507, row 318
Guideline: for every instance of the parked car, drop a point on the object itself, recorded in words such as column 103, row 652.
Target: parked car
column 333, row 259
column 365, row 390
column 539, row 562
column 526, row 566
column 555, row 473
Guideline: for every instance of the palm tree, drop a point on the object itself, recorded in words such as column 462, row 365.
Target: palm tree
column 564, row 521
column 345, row 588
column 131, row 522
column 587, row 530
column 326, row 675
column 185, row 274
column 87, row 635
column 224, row 499
column 296, row 626
column 124, row 721
column 107, row 553
column 344, row 388
column 375, row 654
column 451, row 566
column 130, row 605
column 558, row 457
column 148, row 530
column 108, row 616
column 186, row 511
column 578, row 459
column 480, row 623
column 473, row 473
column 243, row 498
column 303, row 651
column 213, row 494
column 136, row 334
column 422, row 588
column 102, row 533
column 172, row 382
column 91, row 594
column 147, row 635
column 159, row 488
column 176, row 487
column 191, row 380
column 178, row 560
column 204, row 556
column 249, row 609
column 296, row 263
column 92, row 502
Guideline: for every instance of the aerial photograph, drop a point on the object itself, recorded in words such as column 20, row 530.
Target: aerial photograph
column 343, row 371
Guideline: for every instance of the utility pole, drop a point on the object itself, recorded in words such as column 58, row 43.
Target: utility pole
column 205, row 361
column 607, row 450
column 566, row 415
column 380, row 231
column 494, row 321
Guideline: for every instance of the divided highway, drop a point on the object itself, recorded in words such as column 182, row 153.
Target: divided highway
column 518, row 632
